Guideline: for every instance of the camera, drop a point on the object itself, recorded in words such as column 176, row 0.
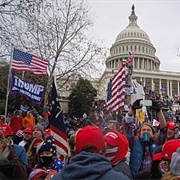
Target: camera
column 146, row 102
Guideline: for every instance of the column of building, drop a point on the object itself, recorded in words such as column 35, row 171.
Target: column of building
column 167, row 87
column 171, row 95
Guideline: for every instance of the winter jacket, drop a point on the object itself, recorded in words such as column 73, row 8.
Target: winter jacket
column 123, row 167
column 6, row 169
column 89, row 166
column 137, row 155
column 21, row 154
column 19, row 171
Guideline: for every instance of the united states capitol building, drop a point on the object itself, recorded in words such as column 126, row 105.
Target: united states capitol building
column 146, row 64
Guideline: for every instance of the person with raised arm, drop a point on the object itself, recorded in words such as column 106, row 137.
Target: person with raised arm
column 145, row 145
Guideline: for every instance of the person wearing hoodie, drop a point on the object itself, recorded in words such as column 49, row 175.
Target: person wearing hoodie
column 16, row 121
column 88, row 162
column 28, row 121
column 116, row 150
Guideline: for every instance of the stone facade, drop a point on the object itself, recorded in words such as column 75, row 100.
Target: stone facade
column 146, row 64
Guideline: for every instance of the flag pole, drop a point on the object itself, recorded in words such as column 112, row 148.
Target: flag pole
column 8, row 84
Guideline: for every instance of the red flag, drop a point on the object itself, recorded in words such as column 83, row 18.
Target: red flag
column 22, row 61
column 117, row 100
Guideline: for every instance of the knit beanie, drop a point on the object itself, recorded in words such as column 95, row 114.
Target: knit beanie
column 40, row 127
column 175, row 163
column 48, row 145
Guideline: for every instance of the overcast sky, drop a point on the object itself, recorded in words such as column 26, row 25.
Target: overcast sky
column 159, row 19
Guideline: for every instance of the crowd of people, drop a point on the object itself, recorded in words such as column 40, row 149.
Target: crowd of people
column 96, row 150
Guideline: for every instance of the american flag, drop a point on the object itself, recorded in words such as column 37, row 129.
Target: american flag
column 117, row 91
column 155, row 122
column 57, row 125
column 22, row 61
column 23, row 108
column 131, row 56
column 163, row 90
column 156, row 61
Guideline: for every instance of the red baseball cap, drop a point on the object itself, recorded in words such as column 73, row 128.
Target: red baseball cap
column 28, row 130
column 167, row 150
column 8, row 131
column 171, row 125
column 112, row 139
column 89, row 135
column 117, row 139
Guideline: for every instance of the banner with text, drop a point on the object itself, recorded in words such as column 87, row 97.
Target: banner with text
column 32, row 92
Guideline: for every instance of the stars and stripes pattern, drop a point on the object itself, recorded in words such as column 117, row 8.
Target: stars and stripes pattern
column 156, row 123
column 117, row 91
column 156, row 61
column 131, row 57
column 57, row 125
column 22, row 61
column 163, row 90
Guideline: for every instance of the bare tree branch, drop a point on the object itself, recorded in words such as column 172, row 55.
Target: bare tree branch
column 54, row 30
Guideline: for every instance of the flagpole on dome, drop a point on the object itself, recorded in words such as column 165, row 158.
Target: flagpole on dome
column 8, row 84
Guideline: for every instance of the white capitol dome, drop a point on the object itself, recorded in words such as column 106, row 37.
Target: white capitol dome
column 133, row 30
column 133, row 38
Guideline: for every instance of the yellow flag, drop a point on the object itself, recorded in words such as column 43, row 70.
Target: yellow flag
column 140, row 116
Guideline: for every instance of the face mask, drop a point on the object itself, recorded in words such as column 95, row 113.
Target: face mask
column 46, row 160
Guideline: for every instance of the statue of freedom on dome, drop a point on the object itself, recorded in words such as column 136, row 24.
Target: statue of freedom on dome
column 133, row 7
